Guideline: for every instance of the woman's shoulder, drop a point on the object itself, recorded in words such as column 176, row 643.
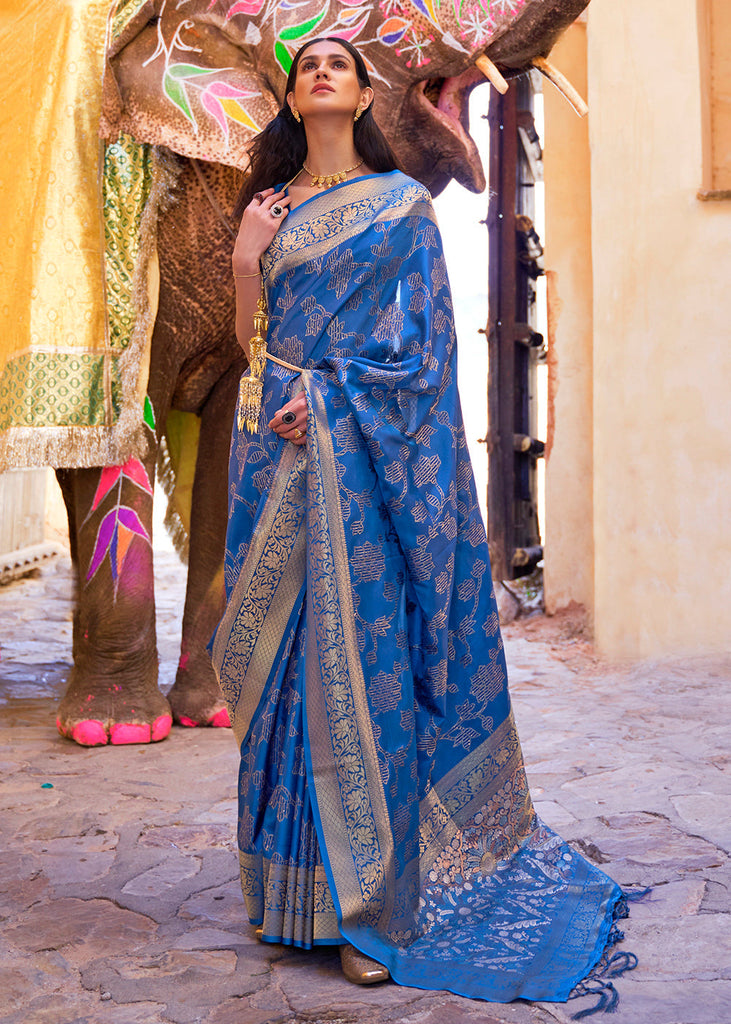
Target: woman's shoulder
column 403, row 188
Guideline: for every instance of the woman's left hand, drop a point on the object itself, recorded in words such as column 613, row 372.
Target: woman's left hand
column 296, row 430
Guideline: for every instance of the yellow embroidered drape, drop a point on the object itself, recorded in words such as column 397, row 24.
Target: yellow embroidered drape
column 75, row 326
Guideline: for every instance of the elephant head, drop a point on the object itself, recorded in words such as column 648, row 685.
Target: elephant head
column 202, row 77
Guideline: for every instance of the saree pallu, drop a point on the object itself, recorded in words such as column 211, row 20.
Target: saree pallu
column 383, row 798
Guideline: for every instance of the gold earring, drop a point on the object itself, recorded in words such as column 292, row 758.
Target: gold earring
column 358, row 112
column 296, row 115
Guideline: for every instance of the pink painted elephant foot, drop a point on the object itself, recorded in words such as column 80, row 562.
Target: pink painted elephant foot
column 191, row 710
column 94, row 720
column 196, row 697
column 218, row 720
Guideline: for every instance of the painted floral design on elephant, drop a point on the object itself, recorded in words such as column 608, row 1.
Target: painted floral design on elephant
column 121, row 524
column 417, row 31
column 414, row 25
column 218, row 98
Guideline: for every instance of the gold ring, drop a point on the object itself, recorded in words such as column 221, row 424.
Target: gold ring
column 297, row 432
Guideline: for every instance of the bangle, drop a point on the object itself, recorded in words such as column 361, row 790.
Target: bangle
column 248, row 275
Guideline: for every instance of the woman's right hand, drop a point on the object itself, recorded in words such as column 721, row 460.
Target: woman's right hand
column 257, row 229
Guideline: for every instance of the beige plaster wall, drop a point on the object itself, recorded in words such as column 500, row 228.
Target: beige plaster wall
column 568, row 527
column 662, row 340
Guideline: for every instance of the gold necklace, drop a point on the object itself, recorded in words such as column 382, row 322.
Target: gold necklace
column 326, row 180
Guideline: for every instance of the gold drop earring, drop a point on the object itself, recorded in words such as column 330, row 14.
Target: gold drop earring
column 296, row 115
column 358, row 112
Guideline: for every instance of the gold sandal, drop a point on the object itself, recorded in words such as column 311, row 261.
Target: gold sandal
column 359, row 968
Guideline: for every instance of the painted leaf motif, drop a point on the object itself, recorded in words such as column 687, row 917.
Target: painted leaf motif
column 283, row 56
column 188, row 71
column 148, row 414
column 393, row 30
column 136, row 472
column 221, row 100
column 104, row 536
column 107, row 480
column 226, row 91
column 212, row 105
column 250, row 7
column 237, row 113
column 350, row 33
column 129, row 518
column 113, row 558
column 124, row 538
column 176, row 94
column 297, row 31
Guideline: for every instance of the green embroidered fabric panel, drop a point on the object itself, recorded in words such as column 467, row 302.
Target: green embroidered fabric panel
column 58, row 389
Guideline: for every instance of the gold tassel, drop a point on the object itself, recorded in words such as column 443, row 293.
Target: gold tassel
column 251, row 386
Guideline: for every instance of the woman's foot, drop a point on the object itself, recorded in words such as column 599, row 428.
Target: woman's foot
column 359, row 968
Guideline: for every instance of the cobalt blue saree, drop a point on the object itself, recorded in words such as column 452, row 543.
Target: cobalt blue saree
column 383, row 798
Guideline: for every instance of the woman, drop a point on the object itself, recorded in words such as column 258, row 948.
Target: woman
column 383, row 800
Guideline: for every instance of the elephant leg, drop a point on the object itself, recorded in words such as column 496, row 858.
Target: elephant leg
column 196, row 698
column 112, row 694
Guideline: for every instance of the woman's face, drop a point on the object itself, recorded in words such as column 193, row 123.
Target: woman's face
column 327, row 82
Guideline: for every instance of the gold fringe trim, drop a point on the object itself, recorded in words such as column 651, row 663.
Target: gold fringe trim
column 77, row 447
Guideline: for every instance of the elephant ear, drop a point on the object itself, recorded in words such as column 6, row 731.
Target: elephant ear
column 188, row 87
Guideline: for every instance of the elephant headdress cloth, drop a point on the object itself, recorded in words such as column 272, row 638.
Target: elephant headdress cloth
column 383, row 797
column 79, row 271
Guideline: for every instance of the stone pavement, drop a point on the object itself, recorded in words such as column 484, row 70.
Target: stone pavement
column 119, row 896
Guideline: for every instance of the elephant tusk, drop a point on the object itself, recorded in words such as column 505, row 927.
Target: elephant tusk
column 492, row 74
column 562, row 84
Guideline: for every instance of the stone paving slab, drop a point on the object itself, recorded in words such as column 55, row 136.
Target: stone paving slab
column 119, row 893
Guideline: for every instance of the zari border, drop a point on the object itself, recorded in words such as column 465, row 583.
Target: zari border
column 349, row 796
column 332, row 220
column 290, row 901
column 264, row 595
column 467, row 788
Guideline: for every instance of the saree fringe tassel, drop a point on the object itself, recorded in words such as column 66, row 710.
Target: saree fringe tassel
column 610, row 965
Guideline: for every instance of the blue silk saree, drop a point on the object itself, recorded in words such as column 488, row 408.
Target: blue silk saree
column 383, row 798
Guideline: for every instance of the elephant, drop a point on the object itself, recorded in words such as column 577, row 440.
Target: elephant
column 198, row 79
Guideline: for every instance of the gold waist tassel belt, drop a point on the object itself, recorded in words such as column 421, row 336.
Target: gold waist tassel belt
column 251, row 386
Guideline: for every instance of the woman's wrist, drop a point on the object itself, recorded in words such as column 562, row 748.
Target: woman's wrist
column 244, row 272
column 245, row 267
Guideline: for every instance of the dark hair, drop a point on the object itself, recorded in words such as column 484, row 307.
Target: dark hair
column 278, row 152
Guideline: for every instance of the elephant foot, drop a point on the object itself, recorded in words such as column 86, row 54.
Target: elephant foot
column 113, row 716
column 196, row 697
column 93, row 733
column 219, row 720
